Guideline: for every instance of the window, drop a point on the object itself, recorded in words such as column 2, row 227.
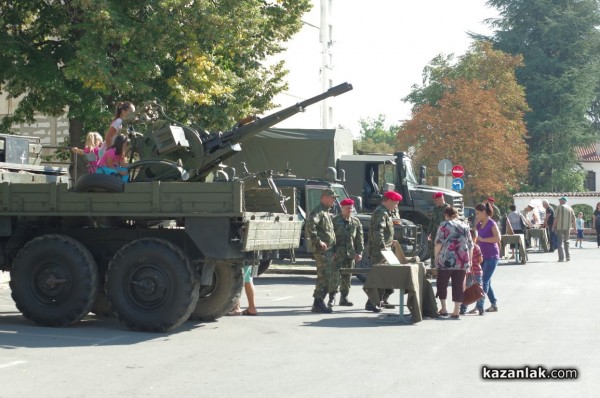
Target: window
column 590, row 181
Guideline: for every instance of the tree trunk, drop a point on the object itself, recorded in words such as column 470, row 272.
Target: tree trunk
column 75, row 139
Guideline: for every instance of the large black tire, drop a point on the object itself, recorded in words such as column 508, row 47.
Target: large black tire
column 217, row 299
column 99, row 183
column 151, row 285
column 54, row 280
column 263, row 265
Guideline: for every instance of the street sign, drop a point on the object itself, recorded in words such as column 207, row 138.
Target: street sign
column 458, row 184
column 458, row 171
column 444, row 166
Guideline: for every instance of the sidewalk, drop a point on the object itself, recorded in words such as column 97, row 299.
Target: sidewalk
column 4, row 277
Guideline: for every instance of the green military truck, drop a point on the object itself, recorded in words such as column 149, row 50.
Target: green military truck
column 310, row 152
column 165, row 247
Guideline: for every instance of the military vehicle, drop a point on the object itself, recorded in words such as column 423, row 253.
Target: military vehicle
column 308, row 196
column 165, row 247
column 310, row 152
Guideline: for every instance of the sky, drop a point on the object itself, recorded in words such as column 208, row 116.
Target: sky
column 381, row 48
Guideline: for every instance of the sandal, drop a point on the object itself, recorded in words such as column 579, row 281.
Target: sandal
column 442, row 313
column 234, row 313
column 455, row 316
column 246, row 312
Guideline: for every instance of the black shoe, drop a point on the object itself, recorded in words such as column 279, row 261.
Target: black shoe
column 320, row 307
column 385, row 304
column 371, row 307
column 344, row 301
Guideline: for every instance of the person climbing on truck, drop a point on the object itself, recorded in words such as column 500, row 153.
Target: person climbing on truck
column 114, row 160
column 123, row 109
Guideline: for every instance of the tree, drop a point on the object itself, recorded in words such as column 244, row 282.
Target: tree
column 472, row 113
column 202, row 59
column 375, row 137
column 560, row 43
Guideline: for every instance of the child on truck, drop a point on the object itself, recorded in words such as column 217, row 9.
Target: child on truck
column 93, row 141
column 114, row 159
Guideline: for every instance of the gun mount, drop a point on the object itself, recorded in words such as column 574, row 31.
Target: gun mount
column 170, row 151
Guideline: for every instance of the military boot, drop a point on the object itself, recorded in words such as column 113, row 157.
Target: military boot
column 331, row 301
column 320, row 307
column 345, row 302
column 371, row 307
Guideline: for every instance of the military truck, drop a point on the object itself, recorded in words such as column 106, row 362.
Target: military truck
column 165, row 247
column 309, row 152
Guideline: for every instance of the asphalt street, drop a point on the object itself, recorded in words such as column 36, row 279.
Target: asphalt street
column 547, row 317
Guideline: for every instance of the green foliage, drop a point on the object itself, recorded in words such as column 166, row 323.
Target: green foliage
column 203, row 59
column 588, row 213
column 375, row 137
column 560, row 43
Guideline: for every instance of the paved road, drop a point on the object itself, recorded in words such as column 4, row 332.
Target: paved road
column 547, row 317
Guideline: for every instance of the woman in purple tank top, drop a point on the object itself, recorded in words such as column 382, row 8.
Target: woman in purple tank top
column 488, row 240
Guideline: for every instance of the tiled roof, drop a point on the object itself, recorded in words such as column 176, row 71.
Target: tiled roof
column 587, row 153
column 556, row 194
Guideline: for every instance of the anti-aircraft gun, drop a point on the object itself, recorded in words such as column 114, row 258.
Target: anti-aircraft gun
column 169, row 150
column 165, row 247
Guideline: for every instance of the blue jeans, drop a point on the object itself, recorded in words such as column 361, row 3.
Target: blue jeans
column 113, row 171
column 489, row 266
column 470, row 279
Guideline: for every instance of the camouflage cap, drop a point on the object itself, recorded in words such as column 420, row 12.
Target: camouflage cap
column 328, row 192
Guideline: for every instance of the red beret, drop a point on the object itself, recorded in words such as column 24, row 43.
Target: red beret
column 347, row 202
column 437, row 195
column 395, row 196
column 491, row 199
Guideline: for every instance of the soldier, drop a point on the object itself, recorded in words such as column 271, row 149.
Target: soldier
column 436, row 219
column 349, row 245
column 496, row 216
column 381, row 236
column 319, row 229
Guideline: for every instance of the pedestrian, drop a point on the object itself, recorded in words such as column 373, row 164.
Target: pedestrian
column 596, row 223
column 349, row 246
column 319, row 230
column 580, row 224
column 488, row 239
column 249, row 289
column 434, row 223
column 516, row 224
column 564, row 220
column 474, row 275
column 123, row 109
column 453, row 253
column 532, row 215
column 497, row 215
column 548, row 222
column 381, row 237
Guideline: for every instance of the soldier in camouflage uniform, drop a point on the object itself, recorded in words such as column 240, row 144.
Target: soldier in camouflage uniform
column 436, row 219
column 496, row 216
column 319, row 230
column 381, row 236
column 349, row 245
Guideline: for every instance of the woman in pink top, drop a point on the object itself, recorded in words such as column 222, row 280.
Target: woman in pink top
column 474, row 275
column 113, row 161
column 488, row 240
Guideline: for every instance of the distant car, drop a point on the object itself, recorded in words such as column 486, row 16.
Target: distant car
column 469, row 213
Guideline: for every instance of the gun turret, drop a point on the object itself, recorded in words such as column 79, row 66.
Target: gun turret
column 197, row 154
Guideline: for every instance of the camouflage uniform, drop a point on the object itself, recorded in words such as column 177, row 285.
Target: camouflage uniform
column 436, row 219
column 349, row 242
column 319, row 228
column 496, row 217
column 381, row 236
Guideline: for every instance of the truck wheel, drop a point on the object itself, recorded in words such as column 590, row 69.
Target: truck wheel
column 263, row 265
column 99, row 183
column 217, row 299
column 54, row 280
column 151, row 285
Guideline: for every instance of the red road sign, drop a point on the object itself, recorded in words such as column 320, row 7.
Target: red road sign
column 458, row 171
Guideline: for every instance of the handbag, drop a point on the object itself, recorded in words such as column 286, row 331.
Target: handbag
column 473, row 293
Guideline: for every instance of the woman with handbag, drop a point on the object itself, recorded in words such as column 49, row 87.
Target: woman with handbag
column 474, row 275
column 488, row 240
column 453, row 253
